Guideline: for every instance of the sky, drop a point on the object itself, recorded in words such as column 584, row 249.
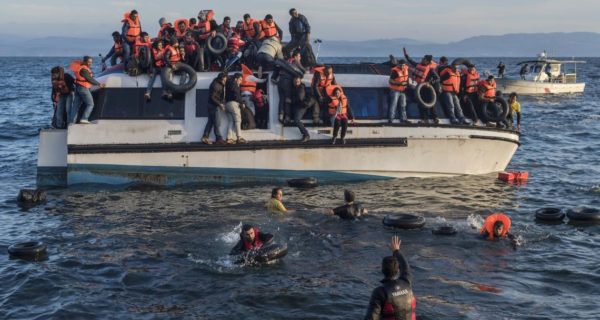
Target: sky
column 428, row 20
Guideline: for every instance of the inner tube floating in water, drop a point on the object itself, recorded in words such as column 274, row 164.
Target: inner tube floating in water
column 584, row 214
column 144, row 57
column 425, row 94
column 444, row 231
column 33, row 250
column 217, row 44
column 404, row 221
column 303, row 183
column 549, row 214
column 267, row 253
column 166, row 76
column 500, row 103
column 31, row 196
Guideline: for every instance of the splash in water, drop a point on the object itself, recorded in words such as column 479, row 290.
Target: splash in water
column 232, row 236
column 475, row 221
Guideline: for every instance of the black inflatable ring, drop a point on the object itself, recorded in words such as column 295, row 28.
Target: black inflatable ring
column 166, row 77
column 144, row 57
column 584, row 214
column 31, row 196
column 444, row 231
column 217, row 44
column 271, row 252
column 421, row 92
column 404, row 221
column 499, row 102
column 32, row 249
column 303, row 183
column 549, row 214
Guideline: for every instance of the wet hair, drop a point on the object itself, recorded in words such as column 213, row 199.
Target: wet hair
column 268, row 16
column 292, row 10
column 246, row 227
column 275, row 191
column 512, row 94
column 246, row 16
column 143, row 34
column 390, row 267
column 443, row 59
column 348, row 196
column 116, row 34
column 497, row 225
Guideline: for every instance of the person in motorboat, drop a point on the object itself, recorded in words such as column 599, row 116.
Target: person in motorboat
column 63, row 86
column 233, row 107
column 469, row 93
column 424, row 71
column 350, row 210
column 501, row 67
column 514, row 108
column 84, row 80
column 250, row 239
column 301, row 102
column 548, row 71
column 394, row 299
column 323, row 77
column 130, row 31
column 339, row 111
column 487, row 95
column 216, row 101
column 524, row 70
column 450, row 78
column 275, row 203
column 158, row 62
column 398, row 82
column 496, row 226
column 116, row 51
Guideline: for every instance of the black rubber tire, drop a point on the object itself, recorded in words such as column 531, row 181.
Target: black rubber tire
column 287, row 67
column 166, row 73
column 549, row 214
column 584, row 214
column 404, row 221
column 444, row 231
column 500, row 102
column 31, row 196
column 32, row 249
column 304, row 183
column 214, row 42
column 271, row 252
column 144, row 58
column 459, row 61
column 419, row 93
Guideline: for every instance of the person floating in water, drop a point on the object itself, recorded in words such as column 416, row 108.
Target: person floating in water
column 250, row 239
column 394, row 299
column 496, row 226
column 275, row 204
column 350, row 210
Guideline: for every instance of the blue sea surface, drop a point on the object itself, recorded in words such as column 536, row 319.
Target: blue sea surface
column 131, row 253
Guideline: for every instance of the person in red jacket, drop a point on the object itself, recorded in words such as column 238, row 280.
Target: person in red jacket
column 250, row 239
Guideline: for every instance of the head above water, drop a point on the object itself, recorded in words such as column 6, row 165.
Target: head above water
column 248, row 233
column 348, row 196
column 277, row 193
column 390, row 267
column 498, row 228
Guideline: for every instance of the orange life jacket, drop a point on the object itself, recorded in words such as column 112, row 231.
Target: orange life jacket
column 490, row 89
column 161, row 32
column 452, row 84
column 158, row 57
column 471, row 81
column 205, row 28
column 175, row 56
column 78, row 66
column 134, row 27
column 325, row 81
column 402, row 78
column 247, row 85
column 138, row 44
column 267, row 30
column 180, row 34
column 249, row 28
column 420, row 72
column 333, row 105
column 488, row 225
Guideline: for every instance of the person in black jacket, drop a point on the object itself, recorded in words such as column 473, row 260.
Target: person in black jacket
column 250, row 239
column 301, row 102
column 350, row 210
column 300, row 32
column 63, row 86
column 394, row 299
column 216, row 99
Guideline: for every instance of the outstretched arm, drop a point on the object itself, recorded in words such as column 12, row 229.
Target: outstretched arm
column 408, row 59
column 405, row 272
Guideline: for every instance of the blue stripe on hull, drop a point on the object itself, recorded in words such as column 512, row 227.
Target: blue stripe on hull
column 168, row 176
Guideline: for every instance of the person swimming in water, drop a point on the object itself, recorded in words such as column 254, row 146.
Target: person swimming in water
column 275, row 204
column 250, row 239
column 496, row 226
column 350, row 210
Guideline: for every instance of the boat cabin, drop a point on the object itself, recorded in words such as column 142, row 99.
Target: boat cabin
column 549, row 70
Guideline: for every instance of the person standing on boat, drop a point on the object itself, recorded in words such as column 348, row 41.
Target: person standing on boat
column 301, row 102
column 340, row 112
column 116, row 51
column 450, row 77
column 233, row 106
column 216, row 103
column 300, row 32
column 514, row 108
column 469, row 89
column 487, row 97
column 548, row 71
column 323, row 77
column 501, row 68
column 394, row 299
column 251, row 29
column 524, row 70
column 275, row 204
column 398, row 82
column 130, row 31
column 350, row 210
column 84, row 80
column 63, row 85
column 424, row 72
column 250, row 239
column 158, row 62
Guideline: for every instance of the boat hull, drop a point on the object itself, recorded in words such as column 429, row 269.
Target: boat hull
column 524, row 87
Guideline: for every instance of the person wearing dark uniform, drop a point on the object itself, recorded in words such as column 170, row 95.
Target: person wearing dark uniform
column 301, row 102
column 350, row 210
column 250, row 239
column 394, row 299
column 501, row 67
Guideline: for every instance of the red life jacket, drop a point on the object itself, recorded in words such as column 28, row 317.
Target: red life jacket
column 488, row 225
column 257, row 244
column 158, row 57
column 134, row 27
column 234, row 43
column 420, row 72
column 175, row 56
column 138, row 44
column 267, row 30
column 189, row 48
column 406, row 305
column 452, row 84
column 249, row 28
column 335, row 101
column 259, row 99
column 489, row 90
column 402, row 78
column 471, row 81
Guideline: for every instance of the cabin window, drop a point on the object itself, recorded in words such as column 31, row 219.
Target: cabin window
column 537, row 69
column 202, row 103
column 129, row 103
column 368, row 103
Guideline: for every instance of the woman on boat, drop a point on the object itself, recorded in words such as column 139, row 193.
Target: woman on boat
column 339, row 111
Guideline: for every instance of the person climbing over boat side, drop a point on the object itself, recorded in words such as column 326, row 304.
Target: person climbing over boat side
column 398, row 82
column 487, row 96
column 496, row 226
column 450, row 78
column 424, row 71
column 501, row 67
column 394, row 299
column 514, row 108
column 301, row 102
column 300, row 33
column 116, row 51
column 248, row 87
column 269, row 28
column 130, row 31
column 158, row 62
column 524, row 70
column 285, row 82
column 275, row 204
column 339, row 111
column 84, row 80
column 216, row 100
column 350, row 210
column 233, row 106
column 469, row 91
column 63, row 87
column 261, row 104
column 172, row 57
column 250, row 239
column 323, row 77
